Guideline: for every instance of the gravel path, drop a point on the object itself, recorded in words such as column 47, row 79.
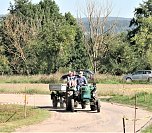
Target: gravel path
column 108, row 120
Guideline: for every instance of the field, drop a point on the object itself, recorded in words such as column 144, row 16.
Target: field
column 107, row 85
column 12, row 116
column 103, row 89
column 56, row 78
column 22, row 88
column 123, row 89
column 38, row 84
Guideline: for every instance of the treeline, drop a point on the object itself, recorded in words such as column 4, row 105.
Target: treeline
column 38, row 39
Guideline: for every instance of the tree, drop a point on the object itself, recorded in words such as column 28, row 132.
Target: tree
column 38, row 39
column 55, row 37
column 119, row 57
column 96, row 34
column 143, row 11
column 78, row 58
column 4, row 67
column 141, row 34
column 17, row 35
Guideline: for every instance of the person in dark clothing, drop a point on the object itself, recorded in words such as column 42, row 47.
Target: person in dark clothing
column 81, row 80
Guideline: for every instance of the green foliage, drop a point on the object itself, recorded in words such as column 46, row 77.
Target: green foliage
column 141, row 34
column 38, row 39
column 119, row 57
column 3, row 62
column 33, row 116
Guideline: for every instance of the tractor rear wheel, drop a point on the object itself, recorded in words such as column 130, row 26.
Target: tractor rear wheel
column 75, row 104
column 61, row 102
column 72, row 105
column 54, row 102
column 98, row 105
column 68, row 104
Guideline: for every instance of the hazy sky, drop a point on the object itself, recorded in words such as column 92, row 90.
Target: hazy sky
column 120, row 8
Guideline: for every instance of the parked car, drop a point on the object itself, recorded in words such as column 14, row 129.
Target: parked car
column 141, row 75
column 88, row 74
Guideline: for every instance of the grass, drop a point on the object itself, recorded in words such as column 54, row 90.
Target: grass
column 55, row 78
column 143, row 100
column 123, row 89
column 22, row 91
column 12, row 117
column 22, row 88
column 103, row 89
column 108, row 79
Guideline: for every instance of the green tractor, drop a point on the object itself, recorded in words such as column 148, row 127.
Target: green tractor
column 86, row 95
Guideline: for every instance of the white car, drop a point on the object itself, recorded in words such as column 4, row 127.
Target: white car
column 141, row 75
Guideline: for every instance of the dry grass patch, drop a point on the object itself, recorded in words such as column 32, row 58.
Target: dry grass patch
column 123, row 89
column 21, row 88
column 52, row 78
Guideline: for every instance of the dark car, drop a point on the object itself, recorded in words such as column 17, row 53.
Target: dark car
column 88, row 74
column 141, row 75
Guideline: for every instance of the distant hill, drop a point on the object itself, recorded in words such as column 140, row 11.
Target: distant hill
column 122, row 24
column 1, row 16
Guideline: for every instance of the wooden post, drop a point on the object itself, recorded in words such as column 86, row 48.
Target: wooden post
column 135, row 113
column 144, row 96
column 25, row 101
column 34, row 100
column 124, row 130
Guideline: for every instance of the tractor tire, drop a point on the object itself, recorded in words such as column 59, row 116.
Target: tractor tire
column 76, row 104
column 54, row 102
column 83, row 105
column 72, row 105
column 98, row 105
column 68, row 104
column 93, row 107
column 61, row 102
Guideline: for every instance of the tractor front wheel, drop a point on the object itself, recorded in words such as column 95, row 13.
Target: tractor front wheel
column 83, row 104
column 93, row 107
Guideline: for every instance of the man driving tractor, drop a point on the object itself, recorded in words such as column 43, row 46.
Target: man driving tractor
column 77, row 81
column 81, row 80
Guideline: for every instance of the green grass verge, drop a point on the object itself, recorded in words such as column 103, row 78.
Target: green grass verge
column 12, row 117
column 143, row 100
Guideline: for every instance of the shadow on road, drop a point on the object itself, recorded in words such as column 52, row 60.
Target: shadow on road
column 63, row 110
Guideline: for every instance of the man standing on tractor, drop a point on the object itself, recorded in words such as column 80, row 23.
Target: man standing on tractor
column 71, row 79
column 81, row 80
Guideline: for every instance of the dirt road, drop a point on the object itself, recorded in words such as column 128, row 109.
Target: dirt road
column 108, row 120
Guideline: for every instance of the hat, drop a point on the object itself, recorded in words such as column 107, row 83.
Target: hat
column 80, row 72
column 70, row 72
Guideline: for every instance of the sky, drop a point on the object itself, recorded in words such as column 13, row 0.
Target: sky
column 120, row 8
